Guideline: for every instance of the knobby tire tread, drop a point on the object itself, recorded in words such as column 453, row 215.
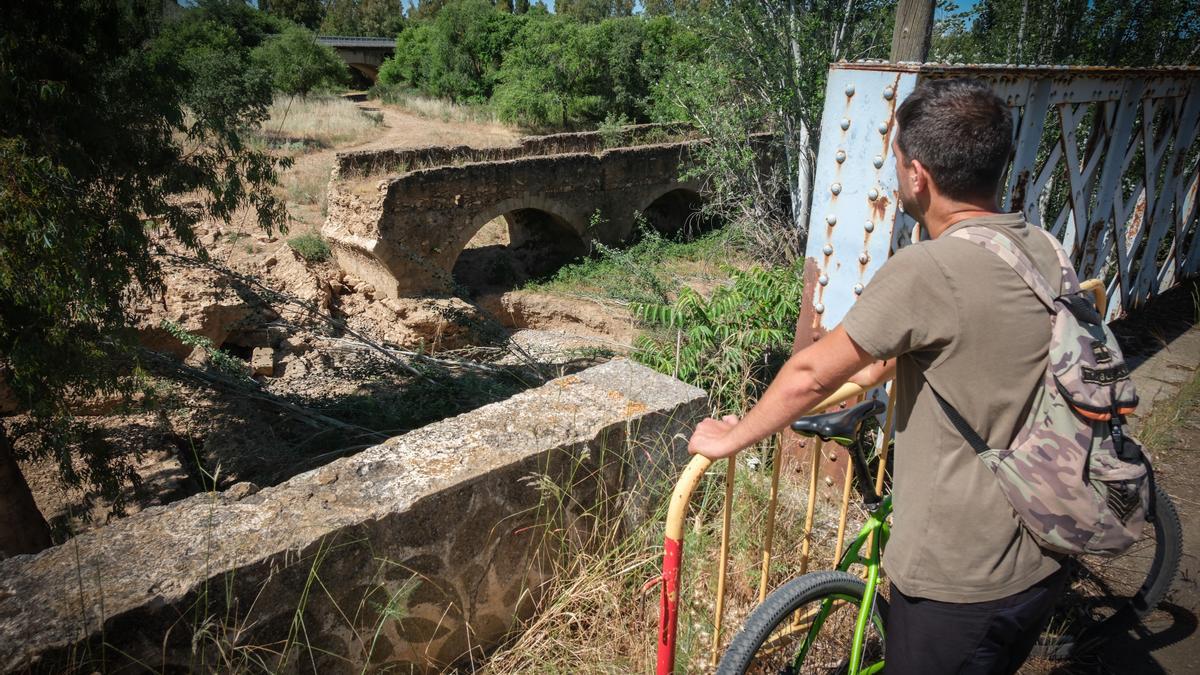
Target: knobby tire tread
column 780, row 604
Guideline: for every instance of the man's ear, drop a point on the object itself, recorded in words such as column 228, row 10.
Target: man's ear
column 918, row 176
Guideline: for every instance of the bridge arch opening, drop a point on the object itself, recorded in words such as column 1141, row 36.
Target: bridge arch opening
column 514, row 247
column 676, row 213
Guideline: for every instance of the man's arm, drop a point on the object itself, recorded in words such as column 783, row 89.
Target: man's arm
column 807, row 378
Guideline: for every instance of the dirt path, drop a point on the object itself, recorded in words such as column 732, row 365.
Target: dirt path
column 400, row 128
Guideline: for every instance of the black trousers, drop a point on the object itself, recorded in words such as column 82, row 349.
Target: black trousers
column 927, row 637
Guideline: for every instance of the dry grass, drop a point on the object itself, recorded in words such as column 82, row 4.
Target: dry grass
column 306, row 183
column 595, row 618
column 297, row 125
column 436, row 108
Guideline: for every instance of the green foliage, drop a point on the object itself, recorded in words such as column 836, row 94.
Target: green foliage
column 220, row 359
column 639, row 273
column 105, row 122
column 1106, row 32
column 593, row 10
column 731, row 344
column 467, row 44
column 307, row 13
column 371, row 18
column 311, row 247
column 537, row 69
column 297, row 63
column 561, row 73
column 764, row 73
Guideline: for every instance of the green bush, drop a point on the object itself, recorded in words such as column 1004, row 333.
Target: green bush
column 540, row 70
column 311, row 247
column 298, row 64
column 731, row 344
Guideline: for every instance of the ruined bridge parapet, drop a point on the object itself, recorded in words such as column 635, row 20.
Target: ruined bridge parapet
column 400, row 218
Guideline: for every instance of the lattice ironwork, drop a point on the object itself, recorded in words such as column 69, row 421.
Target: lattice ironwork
column 1106, row 158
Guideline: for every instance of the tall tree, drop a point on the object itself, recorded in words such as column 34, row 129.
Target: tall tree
column 766, row 71
column 297, row 63
column 103, row 127
column 1082, row 32
column 307, row 13
column 381, row 18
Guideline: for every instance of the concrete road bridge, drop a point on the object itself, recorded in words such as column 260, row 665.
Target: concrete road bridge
column 401, row 219
column 364, row 54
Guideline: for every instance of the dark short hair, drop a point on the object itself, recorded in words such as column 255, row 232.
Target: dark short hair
column 961, row 131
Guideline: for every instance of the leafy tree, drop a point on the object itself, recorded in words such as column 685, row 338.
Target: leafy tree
column 409, row 64
column 1104, row 32
column 561, row 72
column 467, row 46
column 765, row 72
column 298, row 63
column 102, row 128
column 424, row 9
column 549, row 78
column 307, row 13
column 341, row 18
column 593, row 10
column 381, row 18
column 521, row 7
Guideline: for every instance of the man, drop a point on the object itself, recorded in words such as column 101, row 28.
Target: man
column 971, row 589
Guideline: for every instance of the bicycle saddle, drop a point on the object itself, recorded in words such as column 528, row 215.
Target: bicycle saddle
column 841, row 424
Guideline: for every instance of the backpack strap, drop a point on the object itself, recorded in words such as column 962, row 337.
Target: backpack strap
column 1006, row 250
column 964, row 429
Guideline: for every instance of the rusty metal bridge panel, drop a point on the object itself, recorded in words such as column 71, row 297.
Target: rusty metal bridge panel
column 1105, row 158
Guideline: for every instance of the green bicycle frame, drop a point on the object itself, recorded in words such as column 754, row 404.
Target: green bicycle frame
column 876, row 523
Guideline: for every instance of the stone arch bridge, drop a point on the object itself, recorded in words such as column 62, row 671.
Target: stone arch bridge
column 400, row 219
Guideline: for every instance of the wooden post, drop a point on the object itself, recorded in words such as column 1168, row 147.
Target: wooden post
column 914, row 26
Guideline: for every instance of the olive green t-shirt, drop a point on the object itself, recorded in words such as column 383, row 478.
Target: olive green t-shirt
column 957, row 314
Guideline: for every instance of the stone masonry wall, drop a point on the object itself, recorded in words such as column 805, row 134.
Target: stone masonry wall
column 412, row 554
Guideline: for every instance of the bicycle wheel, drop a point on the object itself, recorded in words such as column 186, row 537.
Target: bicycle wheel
column 1109, row 594
column 816, row 610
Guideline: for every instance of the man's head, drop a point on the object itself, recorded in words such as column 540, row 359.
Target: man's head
column 953, row 140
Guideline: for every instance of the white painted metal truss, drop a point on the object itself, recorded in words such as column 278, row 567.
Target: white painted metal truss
column 1106, row 158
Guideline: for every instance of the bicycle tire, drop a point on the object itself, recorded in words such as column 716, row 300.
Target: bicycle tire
column 809, row 589
column 1067, row 635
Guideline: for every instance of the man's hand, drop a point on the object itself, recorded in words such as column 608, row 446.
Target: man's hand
column 711, row 438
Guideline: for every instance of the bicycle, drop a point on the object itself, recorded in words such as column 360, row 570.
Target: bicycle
column 835, row 621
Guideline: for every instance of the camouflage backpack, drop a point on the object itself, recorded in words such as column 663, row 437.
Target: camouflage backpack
column 1078, row 483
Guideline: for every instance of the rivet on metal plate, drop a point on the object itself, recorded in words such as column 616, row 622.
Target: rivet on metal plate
column 819, row 308
column 823, row 280
column 836, row 188
column 872, row 194
column 888, row 93
column 869, row 227
column 858, row 289
column 878, row 162
column 831, row 219
column 840, row 156
column 827, row 249
column 883, row 128
column 863, row 258
column 845, row 124
column 849, row 90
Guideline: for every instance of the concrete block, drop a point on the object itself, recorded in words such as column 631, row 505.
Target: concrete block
column 414, row 553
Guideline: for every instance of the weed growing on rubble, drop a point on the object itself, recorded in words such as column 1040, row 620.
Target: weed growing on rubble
column 730, row 344
column 221, row 360
column 651, row 270
column 311, row 246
